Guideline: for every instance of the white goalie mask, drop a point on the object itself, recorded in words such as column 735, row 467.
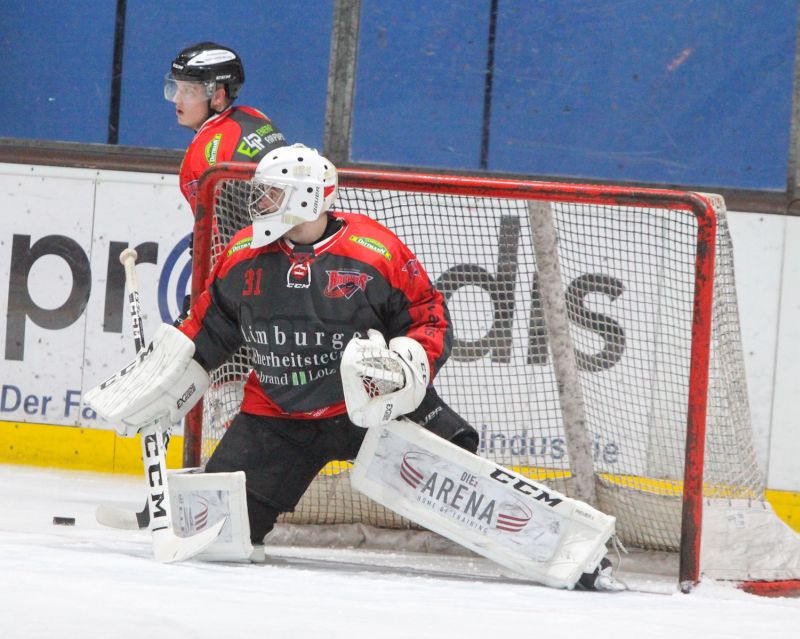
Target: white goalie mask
column 292, row 185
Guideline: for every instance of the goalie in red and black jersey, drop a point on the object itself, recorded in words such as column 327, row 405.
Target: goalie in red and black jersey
column 345, row 331
column 296, row 287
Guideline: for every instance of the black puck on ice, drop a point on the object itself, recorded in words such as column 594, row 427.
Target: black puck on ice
column 63, row 521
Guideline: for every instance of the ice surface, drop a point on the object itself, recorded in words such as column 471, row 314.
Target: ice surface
column 86, row 581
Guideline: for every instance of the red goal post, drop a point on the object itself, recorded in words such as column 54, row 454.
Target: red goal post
column 604, row 388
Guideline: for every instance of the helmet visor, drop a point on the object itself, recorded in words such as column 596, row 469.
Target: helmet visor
column 187, row 91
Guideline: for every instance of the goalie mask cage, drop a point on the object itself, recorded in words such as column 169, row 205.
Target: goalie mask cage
column 596, row 349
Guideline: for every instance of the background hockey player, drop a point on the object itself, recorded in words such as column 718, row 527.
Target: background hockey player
column 203, row 81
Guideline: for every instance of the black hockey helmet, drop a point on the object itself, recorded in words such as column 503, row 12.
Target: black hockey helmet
column 209, row 62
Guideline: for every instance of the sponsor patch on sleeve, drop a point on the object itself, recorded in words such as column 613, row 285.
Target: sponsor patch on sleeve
column 238, row 246
column 372, row 245
column 212, row 148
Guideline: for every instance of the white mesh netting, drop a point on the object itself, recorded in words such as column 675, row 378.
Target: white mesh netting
column 628, row 277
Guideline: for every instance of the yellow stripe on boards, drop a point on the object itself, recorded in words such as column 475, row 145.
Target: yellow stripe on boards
column 75, row 448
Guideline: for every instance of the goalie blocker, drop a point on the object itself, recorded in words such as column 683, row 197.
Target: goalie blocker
column 495, row 512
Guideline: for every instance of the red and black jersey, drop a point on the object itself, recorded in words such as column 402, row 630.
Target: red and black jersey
column 297, row 307
column 238, row 134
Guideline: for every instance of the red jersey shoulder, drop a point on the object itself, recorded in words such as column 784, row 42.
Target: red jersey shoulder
column 238, row 250
column 220, row 139
column 372, row 242
column 203, row 151
column 251, row 111
column 367, row 237
column 217, row 140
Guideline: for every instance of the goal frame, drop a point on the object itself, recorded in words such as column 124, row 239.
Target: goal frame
column 694, row 203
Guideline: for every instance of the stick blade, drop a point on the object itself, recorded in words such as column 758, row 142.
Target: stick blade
column 169, row 548
column 121, row 518
column 115, row 517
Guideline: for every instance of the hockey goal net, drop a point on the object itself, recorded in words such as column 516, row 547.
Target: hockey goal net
column 597, row 348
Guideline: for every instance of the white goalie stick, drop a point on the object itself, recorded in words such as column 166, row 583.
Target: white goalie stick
column 167, row 547
column 128, row 519
column 108, row 514
column 125, row 518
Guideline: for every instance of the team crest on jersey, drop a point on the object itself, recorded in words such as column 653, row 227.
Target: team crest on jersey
column 212, row 148
column 299, row 275
column 346, row 283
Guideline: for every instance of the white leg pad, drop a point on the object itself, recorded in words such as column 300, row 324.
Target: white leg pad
column 200, row 500
column 495, row 512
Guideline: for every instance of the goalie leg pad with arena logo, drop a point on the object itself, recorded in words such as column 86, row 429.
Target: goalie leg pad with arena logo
column 200, row 500
column 495, row 512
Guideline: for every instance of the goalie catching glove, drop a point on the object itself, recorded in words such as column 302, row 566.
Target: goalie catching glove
column 162, row 382
column 383, row 383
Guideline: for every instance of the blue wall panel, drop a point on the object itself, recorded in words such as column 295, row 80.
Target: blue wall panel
column 285, row 47
column 679, row 91
column 665, row 91
column 57, row 59
column 419, row 83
